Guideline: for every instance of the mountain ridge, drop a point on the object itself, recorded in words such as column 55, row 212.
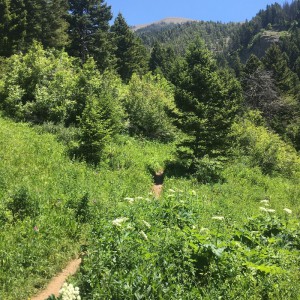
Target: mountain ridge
column 167, row 20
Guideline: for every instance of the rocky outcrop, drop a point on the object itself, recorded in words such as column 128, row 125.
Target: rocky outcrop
column 261, row 42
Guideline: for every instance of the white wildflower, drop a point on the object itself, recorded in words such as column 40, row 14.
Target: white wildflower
column 139, row 198
column 220, row 218
column 204, row 230
column 264, row 201
column 263, row 209
column 146, row 224
column 69, row 292
column 118, row 222
column 269, row 210
column 130, row 200
column 287, row 210
column 144, row 235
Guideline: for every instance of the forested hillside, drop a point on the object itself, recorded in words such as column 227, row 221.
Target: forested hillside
column 94, row 116
column 178, row 36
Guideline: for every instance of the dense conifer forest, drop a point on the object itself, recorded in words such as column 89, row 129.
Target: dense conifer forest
column 92, row 113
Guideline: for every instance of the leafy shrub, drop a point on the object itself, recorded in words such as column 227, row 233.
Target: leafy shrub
column 39, row 85
column 265, row 149
column 150, row 105
column 22, row 204
column 99, row 111
column 160, row 250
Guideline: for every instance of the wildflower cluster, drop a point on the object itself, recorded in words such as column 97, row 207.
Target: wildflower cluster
column 119, row 221
column 69, row 292
column 264, row 208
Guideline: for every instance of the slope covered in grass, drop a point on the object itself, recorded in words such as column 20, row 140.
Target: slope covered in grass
column 46, row 200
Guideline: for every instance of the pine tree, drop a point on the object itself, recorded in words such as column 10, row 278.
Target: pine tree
column 130, row 53
column 55, row 27
column 25, row 21
column 13, row 20
column 161, row 60
column 208, row 100
column 89, row 31
column 277, row 62
column 5, row 18
column 252, row 65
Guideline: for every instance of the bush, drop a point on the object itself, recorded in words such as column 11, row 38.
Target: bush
column 149, row 104
column 265, row 149
column 22, row 204
column 38, row 86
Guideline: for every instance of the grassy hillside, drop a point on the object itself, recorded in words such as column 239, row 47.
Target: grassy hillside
column 195, row 240
column 46, row 199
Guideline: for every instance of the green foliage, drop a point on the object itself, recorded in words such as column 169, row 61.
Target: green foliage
column 266, row 149
column 275, row 61
column 47, row 86
column 162, row 60
column 22, row 204
column 23, row 22
column 130, row 53
column 150, row 106
column 89, row 32
column 39, row 86
column 208, row 100
column 156, row 250
column 98, row 110
column 95, row 132
column 47, row 193
column 179, row 36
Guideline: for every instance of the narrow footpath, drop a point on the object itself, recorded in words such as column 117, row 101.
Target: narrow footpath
column 57, row 282
column 158, row 184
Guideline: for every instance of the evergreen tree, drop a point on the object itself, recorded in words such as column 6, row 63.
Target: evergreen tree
column 23, row 21
column 89, row 31
column 130, row 53
column 157, row 58
column 277, row 62
column 46, row 22
column 13, row 18
column 95, row 131
column 161, row 60
column 236, row 64
column 208, row 101
column 55, row 28
column 5, row 17
column 252, row 65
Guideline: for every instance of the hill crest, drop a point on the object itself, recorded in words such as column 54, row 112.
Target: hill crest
column 168, row 20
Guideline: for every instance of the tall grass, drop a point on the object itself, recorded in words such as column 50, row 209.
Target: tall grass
column 42, row 193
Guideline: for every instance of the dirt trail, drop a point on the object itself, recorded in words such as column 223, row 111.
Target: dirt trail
column 158, row 184
column 56, row 282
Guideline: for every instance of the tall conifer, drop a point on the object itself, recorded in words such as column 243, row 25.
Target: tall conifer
column 208, row 101
column 131, row 54
column 89, row 31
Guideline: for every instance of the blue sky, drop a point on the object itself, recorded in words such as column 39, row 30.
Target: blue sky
column 146, row 11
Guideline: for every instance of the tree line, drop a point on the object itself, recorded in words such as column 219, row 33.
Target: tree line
column 62, row 62
column 80, row 27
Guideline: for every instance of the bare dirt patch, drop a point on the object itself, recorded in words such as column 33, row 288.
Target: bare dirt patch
column 158, row 184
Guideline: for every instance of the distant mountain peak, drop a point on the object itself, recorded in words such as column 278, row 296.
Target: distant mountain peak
column 168, row 20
